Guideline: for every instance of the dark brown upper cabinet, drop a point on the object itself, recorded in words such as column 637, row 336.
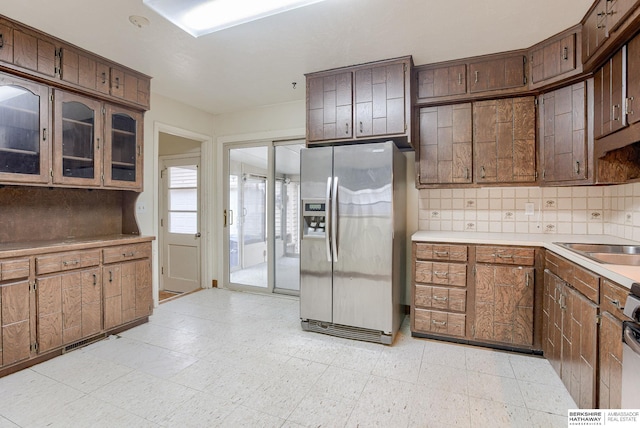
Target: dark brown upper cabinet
column 441, row 81
column 504, row 144
column 34, row 51
column 495, row 74
column 632, row 102
column 31, row 52
column 471, row 78
column 445, row 153
column 606, row 28
column 555, row 59
column 329, row 107
column 609, row 96
column 363, row 102
column 563, row 137
column 380, row 100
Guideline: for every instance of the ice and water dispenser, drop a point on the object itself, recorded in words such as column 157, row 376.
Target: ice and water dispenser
column 314, row 214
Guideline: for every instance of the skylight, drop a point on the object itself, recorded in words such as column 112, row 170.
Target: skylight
column 200, row 17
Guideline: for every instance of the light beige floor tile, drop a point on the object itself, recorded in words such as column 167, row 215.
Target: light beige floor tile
column 203, row 410
column 91, row 412
column 321, row 411
column 493, row 414
column 444, row 354
column 340, row 384
column 494, row 388
column 6, row 423
column 82, row 370
column 488, row 361
column 243, row 416
column 541, row 397
column 432, row 407
column 145, row 395
column 444, row 378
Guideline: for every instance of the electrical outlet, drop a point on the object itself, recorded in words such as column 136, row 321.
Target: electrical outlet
column 528, row 208
column 141, row 207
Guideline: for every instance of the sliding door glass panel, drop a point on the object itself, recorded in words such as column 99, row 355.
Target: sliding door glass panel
column 287, row 217
column 247, row 216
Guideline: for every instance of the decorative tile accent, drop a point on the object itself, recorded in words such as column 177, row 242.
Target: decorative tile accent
column 614, row 210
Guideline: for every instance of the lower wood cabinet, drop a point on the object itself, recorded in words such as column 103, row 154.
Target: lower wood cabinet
column 51, row 301
column 127, row 292
column 15, row 313
column 570, row 333
column 481, row 294
column 504, row 304
column 612, row 301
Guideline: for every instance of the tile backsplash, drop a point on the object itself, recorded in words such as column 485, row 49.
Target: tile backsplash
column 593, row 210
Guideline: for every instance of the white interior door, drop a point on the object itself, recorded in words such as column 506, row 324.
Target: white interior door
column 181, row 225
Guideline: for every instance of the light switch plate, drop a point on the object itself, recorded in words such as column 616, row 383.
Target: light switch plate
column 528, row 208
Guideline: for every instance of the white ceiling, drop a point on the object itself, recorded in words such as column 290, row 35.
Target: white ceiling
column 255, row 64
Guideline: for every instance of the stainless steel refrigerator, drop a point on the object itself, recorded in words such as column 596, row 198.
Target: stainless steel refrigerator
column 352, row 254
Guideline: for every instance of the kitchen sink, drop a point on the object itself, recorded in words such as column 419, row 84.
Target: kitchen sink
column 606, row 253
column 616, row 258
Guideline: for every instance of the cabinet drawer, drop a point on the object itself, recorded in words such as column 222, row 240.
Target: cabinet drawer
column 14, row 269
column 452, row 253
column 613, row 298
column 521, row 256
column 450, row 299
column 126, row 252
column 440, row 322
column 586, row 282
column 60, row 262
column 454, row 274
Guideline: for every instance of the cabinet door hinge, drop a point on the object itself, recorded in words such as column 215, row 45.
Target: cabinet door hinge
column 524, row 80
column 104, row 111
column 405, row 127
column 162, row 270
column 51, row 172
column 598, row 319
column 161, row 222
column 51, row 97
column 473, row 331
column 535, row 175
column 102, row 178
column 34, row 347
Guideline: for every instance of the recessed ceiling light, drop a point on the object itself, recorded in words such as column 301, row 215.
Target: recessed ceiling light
column 200, row 17
column 138, row 21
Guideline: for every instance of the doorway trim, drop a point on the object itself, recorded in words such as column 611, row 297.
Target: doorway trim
column 207, row 202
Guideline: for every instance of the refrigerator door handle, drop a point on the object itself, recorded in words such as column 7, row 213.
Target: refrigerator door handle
column 334, row 219
column 328, row 220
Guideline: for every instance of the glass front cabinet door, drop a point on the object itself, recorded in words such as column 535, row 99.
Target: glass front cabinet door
column 78, row 132
column 123, row 148
column 24, row 131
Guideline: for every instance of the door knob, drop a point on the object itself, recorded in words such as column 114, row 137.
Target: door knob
column 198, row 235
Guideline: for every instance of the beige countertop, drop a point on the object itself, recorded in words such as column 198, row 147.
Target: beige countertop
column 623, row 275
column 22, row 249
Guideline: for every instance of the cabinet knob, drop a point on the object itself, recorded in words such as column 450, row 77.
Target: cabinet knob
column 629, row 104
column 476, row 76
column 117, row 83
column 361, row 127
column 565, row 53
column 346, row 128
column 104, row 77
column 577, row 167
column 1, row 41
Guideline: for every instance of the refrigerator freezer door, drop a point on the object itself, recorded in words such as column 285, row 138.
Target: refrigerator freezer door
column 316, row 167
column 363, row 272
